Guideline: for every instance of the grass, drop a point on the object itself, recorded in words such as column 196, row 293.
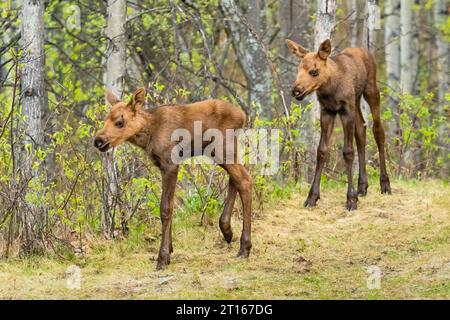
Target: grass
column 319, row 253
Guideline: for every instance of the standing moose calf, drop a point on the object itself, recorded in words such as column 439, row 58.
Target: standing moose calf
column 340, row 81
column 152, row 130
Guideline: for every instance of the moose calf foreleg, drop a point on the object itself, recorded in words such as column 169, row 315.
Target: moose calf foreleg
column 348, row 124
column 169, row 180
column 326, row 129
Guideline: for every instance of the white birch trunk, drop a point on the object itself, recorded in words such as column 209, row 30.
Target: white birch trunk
column 440, row 12
column 259, row 76
column 406, row 48
column 114, row 81
column 116, row 47
column 134, row 65
column 371, row 24
column 355, row 23
column 249, row 51
column 294, row 17
column 392, row 58
column 34, row 104
column 326, row 15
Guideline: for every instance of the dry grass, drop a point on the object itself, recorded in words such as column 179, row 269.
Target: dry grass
column 320, row 253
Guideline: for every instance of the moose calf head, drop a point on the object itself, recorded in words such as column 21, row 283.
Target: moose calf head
column 312, row 70
column 123, row 120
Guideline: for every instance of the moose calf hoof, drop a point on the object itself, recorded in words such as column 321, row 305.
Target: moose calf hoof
column 163, row 262
column 362, row 189
column 244, row 250
column 227, row 233
column 311, row 201
column 352, row 205
column 243, row 253
column 385, row 185
column 352, row 201
column 385, row 188
column 228, row 236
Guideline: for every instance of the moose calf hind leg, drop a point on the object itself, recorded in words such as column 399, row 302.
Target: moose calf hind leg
column 348, row 124
column 244, row 186
column 225, row 218
column 385, row 184
column 360, row 137
column 352, row 196
column 372, row 96
column 169, row 180
column 362, row 187
column 163, row 260
column 242, row 183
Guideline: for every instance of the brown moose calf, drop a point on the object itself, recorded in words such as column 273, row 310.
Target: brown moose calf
column 340, row 81
column 152, row 131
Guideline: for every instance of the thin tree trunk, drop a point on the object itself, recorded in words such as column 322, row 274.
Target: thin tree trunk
column 406, row 48
column 440, row 12
column 115, row 76
column 249, row 51
column 371, row 24
column 295, row 24
column 355, row 23
column 259, row 76
column 34, row 104
column 325, row 20
column 134, row 65
column 392, row 57
column 407, row 60
column 326, row 16
column 294, row 17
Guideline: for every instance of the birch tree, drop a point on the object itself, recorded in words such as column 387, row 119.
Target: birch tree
column 325, row 20
column 247, row 36
column 371, row 24
column 354, row 9
column 295, row 24
column 392, row 57
column 34, row 103
column 260, row 85
column 406, row 48
column 440, row 12
column 134, row 64
column 114, row 81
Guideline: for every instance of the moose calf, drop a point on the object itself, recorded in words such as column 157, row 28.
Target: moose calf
column 152, row 131
column 340, row 81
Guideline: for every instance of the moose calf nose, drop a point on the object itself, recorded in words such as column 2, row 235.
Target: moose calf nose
column 98, row 142
column 296, row 91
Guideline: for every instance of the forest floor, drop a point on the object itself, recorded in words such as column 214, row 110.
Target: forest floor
column 320, row 253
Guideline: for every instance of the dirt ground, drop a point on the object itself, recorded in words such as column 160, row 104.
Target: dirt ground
column 392, row 247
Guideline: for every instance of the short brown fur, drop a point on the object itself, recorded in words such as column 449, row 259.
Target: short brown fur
column 340, row 81
column 152, row 129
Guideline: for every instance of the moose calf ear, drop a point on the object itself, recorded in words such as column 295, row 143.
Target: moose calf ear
column 296, row 49
column 111, row 97
column 324, row 49
column 138, row 99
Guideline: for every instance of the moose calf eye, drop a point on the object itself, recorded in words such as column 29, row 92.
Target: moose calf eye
column 119, row 124
column 314, row 73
